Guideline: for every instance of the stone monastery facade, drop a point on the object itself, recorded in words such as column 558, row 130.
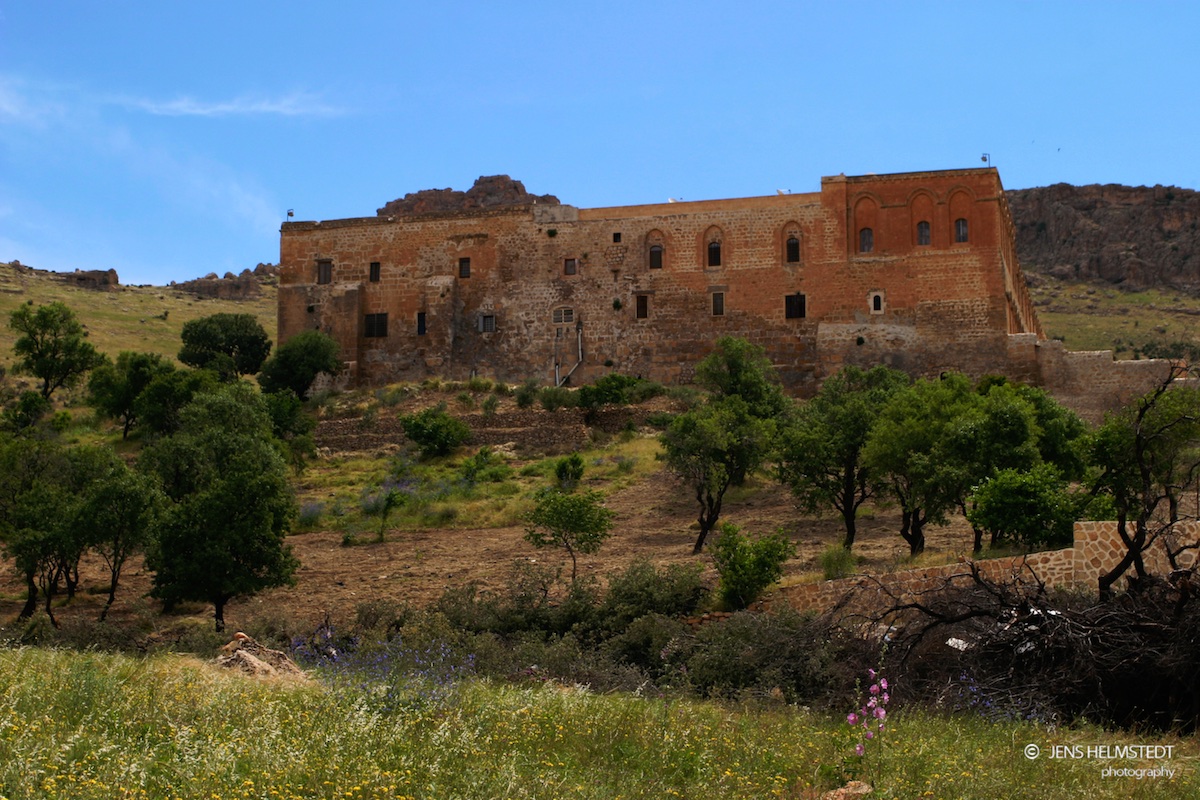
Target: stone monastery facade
column 914, row 270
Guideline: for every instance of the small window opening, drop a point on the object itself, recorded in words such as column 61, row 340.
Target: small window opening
column 564, row 316
column 374, row 272
column 866, row 240
column 923, row 233
column 420, row 323
column 793, row 250
column 794, row 306
column 960, row 230
column 464, row 268
column 570, row 266
column 376, row 326
column 324, row 272
column 714, row 254
column 643, row 306
column 487, row 323
column 876, row 302
column 656, row 256
column 718, row 304
column 616, row 238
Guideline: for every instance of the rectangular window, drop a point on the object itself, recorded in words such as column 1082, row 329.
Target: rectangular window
column 960, row 230
column 616, row 238
column 374, row 272
column 420, row 323
column 923, row 237
column 324, row 272
column 376, row 326
column 563, row 316
column 718, row 304
column 464, row 268
column 794, row 306
column 570, row 266
column 656, row 256
column 487, row 323
column 643, row 306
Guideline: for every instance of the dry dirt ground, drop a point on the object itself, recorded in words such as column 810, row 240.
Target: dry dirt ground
column 655, row 520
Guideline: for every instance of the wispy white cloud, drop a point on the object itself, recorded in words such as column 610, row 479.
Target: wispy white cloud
column 297, row 104
column 25, row 104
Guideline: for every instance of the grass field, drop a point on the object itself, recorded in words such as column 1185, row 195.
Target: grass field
column 89, row 725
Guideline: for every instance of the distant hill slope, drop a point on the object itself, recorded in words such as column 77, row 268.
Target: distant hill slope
column 1134, row 237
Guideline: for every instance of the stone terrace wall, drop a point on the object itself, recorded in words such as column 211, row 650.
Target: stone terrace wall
column 1097, row 549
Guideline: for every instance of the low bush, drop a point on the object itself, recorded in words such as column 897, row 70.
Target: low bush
column 433, row 431
column 526, row 394
column 837, row 562
column 748, row 567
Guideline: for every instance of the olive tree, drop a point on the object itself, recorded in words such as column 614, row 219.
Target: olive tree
column 52, row 346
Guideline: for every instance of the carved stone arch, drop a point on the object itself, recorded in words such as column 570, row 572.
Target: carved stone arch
column 791, row 243
column 714, row 248
column 864, row 232
column 656, row 250
column 922, row 215
column 960, row 214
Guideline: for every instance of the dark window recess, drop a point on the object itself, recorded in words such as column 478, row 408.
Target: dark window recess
column 464, row 268
column 714, row 254
column 923, row 233
column 866, row 240
column 487, row 323
column 960, row 230
column 718, row 304
column 570, row 266
column 656, row 253
column 420, row 323
column 324, row 272
column 877, row 303
column 794, row 306
column 643, row 306
column 374, row 272
column 793, row 250
column 616, row 238
column 563, row 316
column 376, row 326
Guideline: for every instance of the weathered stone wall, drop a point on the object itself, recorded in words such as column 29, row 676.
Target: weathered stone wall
column 572, row 291
column 1097, row 549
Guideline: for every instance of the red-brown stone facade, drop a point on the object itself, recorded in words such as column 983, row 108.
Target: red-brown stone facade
column 915, row 270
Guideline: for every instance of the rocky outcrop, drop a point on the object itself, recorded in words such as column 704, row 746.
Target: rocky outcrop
column 247, row 656
column 103, row 280
column 488, row 192
column 245, row 286
column 1134, row 237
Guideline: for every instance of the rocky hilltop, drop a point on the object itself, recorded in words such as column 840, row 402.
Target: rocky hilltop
column 1135, row 237
column 489, row 191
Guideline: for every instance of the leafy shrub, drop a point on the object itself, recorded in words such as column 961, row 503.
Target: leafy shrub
column 837, row 562
column 433, row 431
column 643, row 642
column 526, row 394
column 490, row 404
column 748, row 567
column 675, row 590
column 568, row 471
column 479, row 385
column 484, row 467
column 553, row 398
column 466, row 400
column 660, row 419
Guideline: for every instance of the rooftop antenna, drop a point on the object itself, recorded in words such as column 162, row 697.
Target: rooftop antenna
column 986, row 158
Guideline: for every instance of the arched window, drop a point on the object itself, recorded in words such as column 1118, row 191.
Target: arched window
column 656, row 256
column 792, row 250
column 866, row 240
column 960, row 229
column 714, row 254
column 923, row 233
column 876, row 299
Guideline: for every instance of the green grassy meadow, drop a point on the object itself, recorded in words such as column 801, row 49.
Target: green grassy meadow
column 90, row 725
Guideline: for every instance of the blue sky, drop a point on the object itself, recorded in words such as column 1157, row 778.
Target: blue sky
column 168, row 140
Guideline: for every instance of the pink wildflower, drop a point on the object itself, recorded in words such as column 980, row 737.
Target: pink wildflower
column 852, row 719
column 858, row 749
column 880, row 713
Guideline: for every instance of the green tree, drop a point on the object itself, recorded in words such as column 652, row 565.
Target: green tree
column 1033, row 508
column 298, row 361
column 228, row 344
column 1146, row 456
column 709, row 447
column 23, row 414
column 578, row 523
column 292, row 426
column 907, row 447
column 820, row 446
column 29, row 467
column 52, row 346
column 223, row 533
column 158, row 407
column 738, row 368
column 747, row 567
column 114, row 388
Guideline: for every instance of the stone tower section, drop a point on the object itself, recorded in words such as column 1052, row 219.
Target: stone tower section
column 915, row 270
